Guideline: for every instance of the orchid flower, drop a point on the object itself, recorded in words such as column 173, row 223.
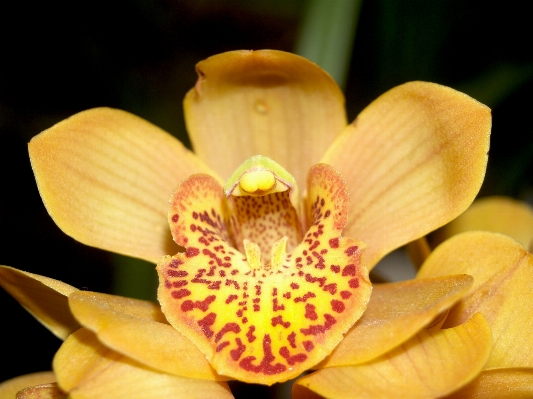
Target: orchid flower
column 265, row 281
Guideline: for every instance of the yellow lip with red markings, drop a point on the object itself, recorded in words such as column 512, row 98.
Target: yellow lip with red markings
column 262, row 298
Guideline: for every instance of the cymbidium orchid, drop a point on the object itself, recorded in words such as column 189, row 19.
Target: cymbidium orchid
column 278, row 218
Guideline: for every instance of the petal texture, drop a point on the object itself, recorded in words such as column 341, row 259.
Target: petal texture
column 263, row 102
column 412, row 160
column 105, row 177
column 502, row 290
column 43, row 297
column 395, row 313
column 432, row 364
column 514, row 383
column 87, row 370
column 139, row 330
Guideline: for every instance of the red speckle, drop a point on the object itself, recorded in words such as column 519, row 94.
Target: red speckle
column 265, row 366
column 181, row 293
column 292, row 360
column 308, row 345
column 310, row 312
column 318, row 328
column 279, row 320
column 228, row 327
column 294, row 286
column 334, row 243
column 231, row 298
column 337, row 306
column 335, row 268
column 175, row 263
column 177, row 273
column 349, row 270
column 331, row 288
column 180, row 283
column 191, row 252
column 202, row 305
column 175, row 218
column 237, row 353
column 287, row 295
column 351, row 250
column 305, row 297
column 222, row 346
column 292, row 339
column 326, row 215
column 195, row 215
column 353, row 283
column 345, row 294
column 276, row 307
column 206, row 323
column 250, row 334
column 310, row 279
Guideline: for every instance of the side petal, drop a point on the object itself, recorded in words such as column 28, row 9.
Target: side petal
column 432, row 364
column 263, row 102
column 45, row 298
column 413, row 160
column 514, row 383
column 502, row 291
column 105, row 177
column 9, row 388
column 87, row 370
column 497, row 214
column 395, row 313
column 129, row 327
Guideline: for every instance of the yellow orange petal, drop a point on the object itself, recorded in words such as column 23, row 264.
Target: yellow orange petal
column 497, row 214
column 395, row 313
column 512, row 383
column 87, row 370
column 105, row 177
column 432, row 364
column 263, row 102
column 502, row 290
column 43, row 297
column 268, row 322
column 139, row 330
column 9, row 388
column 413, row 160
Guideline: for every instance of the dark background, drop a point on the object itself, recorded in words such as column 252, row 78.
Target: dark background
column 60, row 58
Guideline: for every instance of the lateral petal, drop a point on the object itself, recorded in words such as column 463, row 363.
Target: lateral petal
column 140, row 331
column 105, row 177
column 44, row 297
column 395, row 313
column 502, row 290
column 87, row 370
column 264, row 102
column 432, row 364
column 413, row 160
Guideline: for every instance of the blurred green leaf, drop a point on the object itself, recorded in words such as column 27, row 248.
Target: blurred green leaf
column 327, row 33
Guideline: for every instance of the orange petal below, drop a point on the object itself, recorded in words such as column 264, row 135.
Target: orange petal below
column 432, row 364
